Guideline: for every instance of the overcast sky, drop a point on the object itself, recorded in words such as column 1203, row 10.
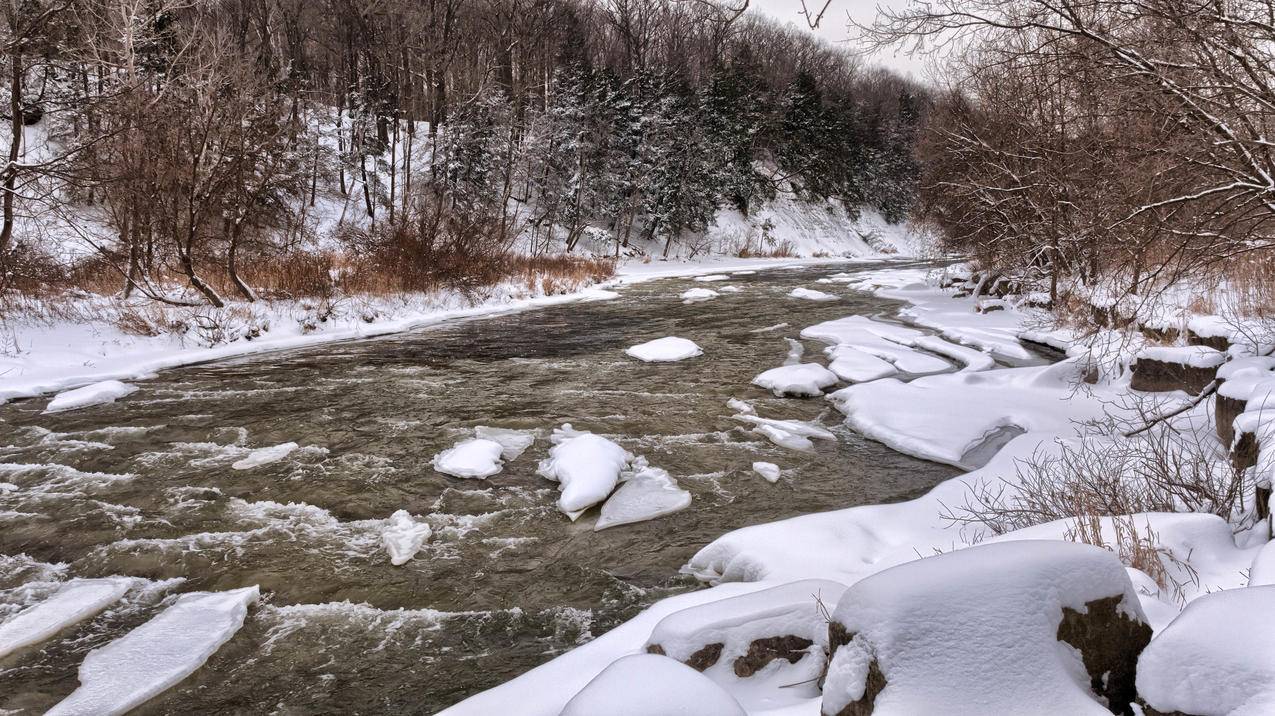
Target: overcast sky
column 835, row 27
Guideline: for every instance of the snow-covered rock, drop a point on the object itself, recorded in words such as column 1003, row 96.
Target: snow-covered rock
column 157, row 655
column 744, row 634
column 1216, row 658
column 403, row 536
column 474, row 458
column 513, row 443
column 993, row 629
column 1188, row 368
column 264, row 456
column 107, row 391
column 768, row 470
column 651, row 685
column 647, row 493
column 812, row 295
column 803, row 379
column 663, row 350
column 74, row 602
column 586, row 466
column 695, row 295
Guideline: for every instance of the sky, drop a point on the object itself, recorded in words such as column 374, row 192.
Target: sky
column 835, row 26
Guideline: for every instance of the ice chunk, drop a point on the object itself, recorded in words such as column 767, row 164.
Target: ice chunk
column 647, row 493
column 698, row 294
column 768, row 470
column 587, row 466
column 651, row 685
column 157, row 655
column 713, row 277
column 76, row 601
column 1217, row 657
column 738, row 405
column 812, row 295
column 664, row 350
column 856, row 366
column 513, row 443
column 802, row 379
column 474, row 458
column 265, row 456
column 730, row 289
column 403, row 536
column 96, row 394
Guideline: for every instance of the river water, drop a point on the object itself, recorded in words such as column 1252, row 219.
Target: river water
column 145, row 488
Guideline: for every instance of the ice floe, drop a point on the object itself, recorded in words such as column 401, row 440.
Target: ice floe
column 647, row 493
column 768, row 470
column 805, row 380
column 75, row 601
column 713, row 277
column 664, row 350
column 513, row 443
column 265, row 456
column 108, row 391
column 478, row 458
column 889, row 342
column 403, row 536
column 812, row 295
column 586, row 466
column 157, row 655
column 698, row 294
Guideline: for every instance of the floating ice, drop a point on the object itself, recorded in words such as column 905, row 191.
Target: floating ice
column 768, row 470
column 698, row 294
column 713, row 277
column 76, row 601
column 791, row 434
column 647, row 493
column 651, row 685
column 403, row 537
column 664, row 350
column 473, row 458
column 157, row 655
column 513, row 442
column 856, row 366
column 803, row 379
column 812, row 295
column 96, row 394
column 265, row 456
column 587, row 466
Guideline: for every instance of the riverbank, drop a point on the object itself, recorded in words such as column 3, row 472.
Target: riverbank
column 1046, row 446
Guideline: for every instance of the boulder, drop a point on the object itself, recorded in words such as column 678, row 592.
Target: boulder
column 1186, row 368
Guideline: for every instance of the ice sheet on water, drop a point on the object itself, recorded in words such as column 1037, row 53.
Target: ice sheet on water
column 647, row 493
column 264, row 456
column 801, row 379
column 96, row 394
column 474, row 458
column 157, row 655
column 713, row 277
column 665, row 350
column 404, row 536
column 75, row 601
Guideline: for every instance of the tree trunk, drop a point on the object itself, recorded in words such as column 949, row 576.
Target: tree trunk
column 15, row 149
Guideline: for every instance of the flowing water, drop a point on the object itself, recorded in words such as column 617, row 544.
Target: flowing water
column 145, row 488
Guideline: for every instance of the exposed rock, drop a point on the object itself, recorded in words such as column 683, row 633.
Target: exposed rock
column 763, row 651
column 700, row 660
column 873, row 686
column 1109, row 642
column 1244, row 451
column 1155, row 376
column 1225, row 411
column 1216, row 342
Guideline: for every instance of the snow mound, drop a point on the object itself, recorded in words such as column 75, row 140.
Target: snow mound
column 977, row 631
column 1189, row 356
column 1217, row 657
column 647, row 493
column 856, row 366
column 76, row 601
column 812, row 295
column 513, row 443
column 403, row 536
column 477, row 458
column 157, row 655
column 108, row 391
column 587, row 466
column 802, row 379
column 793, row 611
column 708, row 278
column 664, row 350
column 265, row 456
column 651, row 685
column 695, row 295
column 768, row 470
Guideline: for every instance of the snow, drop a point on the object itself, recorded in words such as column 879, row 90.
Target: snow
column 513, row 443
column 852, row 336
column 855, row 366
column 157, row 655
column 477, row 458
column 805, row 380
column 663, row 350
column 651, row 685
column 975, row 631
column 107, row 391
column 698, row 294
column 1190, row 356
column 1262, row 571
column 791, row 434
column 768, row 470
column 945, row 417
column 586, row 466
column 265, row 456
column 713, row 277
column 974, row 360
column 74, row 602
column 647, row 493
column 403, row 536
column 1217, row 657
column 812, row 295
